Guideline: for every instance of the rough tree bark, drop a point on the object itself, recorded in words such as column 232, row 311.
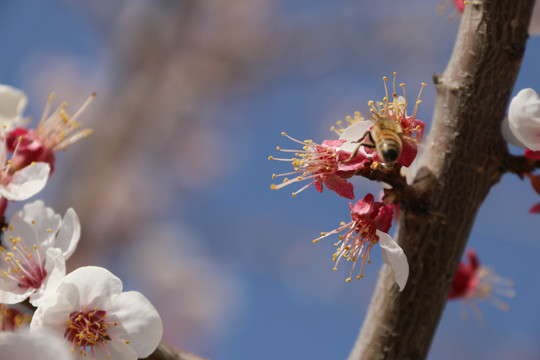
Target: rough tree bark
column 465, row 156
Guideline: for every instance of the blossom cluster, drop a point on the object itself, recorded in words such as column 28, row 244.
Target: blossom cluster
column 77, row 315
column 386, row 142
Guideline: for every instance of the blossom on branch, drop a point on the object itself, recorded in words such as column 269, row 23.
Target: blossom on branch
column 322, row 164
column 97, row 319
column 402, row 132
column 473, row 282
column 524, row 118
column 370, row 223
column 36, row 244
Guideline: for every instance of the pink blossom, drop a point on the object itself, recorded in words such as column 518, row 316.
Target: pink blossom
column 460, row 5
column 473, row 282
column 322, row 164
column 56, row 131
column 412, row 129
column 370, row 223
column 12, row 319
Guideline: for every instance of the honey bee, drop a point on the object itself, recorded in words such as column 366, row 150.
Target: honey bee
column 386, row 135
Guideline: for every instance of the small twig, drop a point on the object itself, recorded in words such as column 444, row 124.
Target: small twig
column 519, row 165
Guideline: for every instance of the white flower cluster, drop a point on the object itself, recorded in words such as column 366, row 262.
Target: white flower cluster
column 83, row 314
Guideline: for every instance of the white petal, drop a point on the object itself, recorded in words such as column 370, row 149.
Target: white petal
column 12, row 104
column 44, row 218
column 11, row 293
column 69, row 234
column 55, row 265
column 354, row 133
column 53, row 313
column 394, row 256
column 534, row 26
column 524, row 118
column 90, row 286
column 509, row 136
column 33, row 345
column 27, row 182
column 138, row 322
column 116, row 349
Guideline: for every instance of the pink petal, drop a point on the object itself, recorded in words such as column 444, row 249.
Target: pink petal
column 333, row 143
column 533, row 155
column 535, row 209
column 408, row 152
column 341, row 186
column 318, row 186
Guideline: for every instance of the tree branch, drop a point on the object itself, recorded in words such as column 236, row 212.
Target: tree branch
column 464, row 156
column 168, row 352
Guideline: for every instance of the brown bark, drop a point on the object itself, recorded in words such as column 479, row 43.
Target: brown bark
column 168, row 352
column 464, row 157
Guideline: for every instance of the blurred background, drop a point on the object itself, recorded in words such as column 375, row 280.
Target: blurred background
column 173, row 188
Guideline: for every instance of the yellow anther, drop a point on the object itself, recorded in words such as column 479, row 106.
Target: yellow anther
column 283, row 133
column 335, row 269
column 348, row 279
column 273, row 187
column 270, row 157
column 293, row 194
column 315, row 241
column 323, row 234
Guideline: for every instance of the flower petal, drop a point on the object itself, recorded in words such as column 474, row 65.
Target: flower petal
column 69, row 234
column 90, row 286
column 33, row 345
column 35, row 219
column 535, row 209
column 508, row 135
column 354, row 133
column 138, row 322
column 12, row 104
column 393, row 255
column 55, row 266
column 27, row 182
column 341, row 186
column 524, row 118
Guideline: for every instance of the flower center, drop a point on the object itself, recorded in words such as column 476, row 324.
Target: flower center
column 89, row 328
column 26, row 266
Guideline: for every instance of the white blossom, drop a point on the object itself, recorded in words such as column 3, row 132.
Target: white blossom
column 89, row 310
column 36, row 244
column 524, row 118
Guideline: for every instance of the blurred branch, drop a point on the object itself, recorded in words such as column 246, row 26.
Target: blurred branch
column 464, row 158
column 168, row 352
